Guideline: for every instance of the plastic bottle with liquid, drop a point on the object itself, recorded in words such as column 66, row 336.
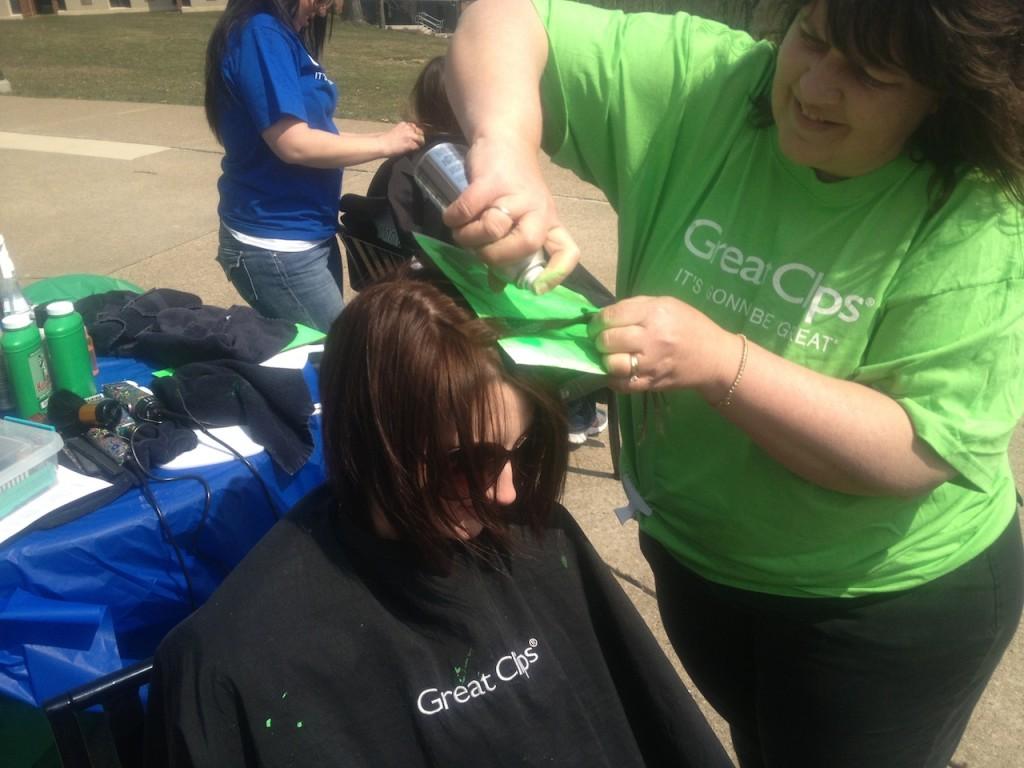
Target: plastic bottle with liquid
column 70, row 366
column 441, row 174
column 12, row 300
column 27, row 371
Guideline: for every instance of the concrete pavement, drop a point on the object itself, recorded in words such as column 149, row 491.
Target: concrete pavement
column 134, row 196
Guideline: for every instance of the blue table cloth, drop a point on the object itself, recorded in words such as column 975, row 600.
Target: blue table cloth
column 100, row 592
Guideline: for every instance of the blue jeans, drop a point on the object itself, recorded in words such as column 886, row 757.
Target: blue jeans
column 581, row 413
column 304, row 287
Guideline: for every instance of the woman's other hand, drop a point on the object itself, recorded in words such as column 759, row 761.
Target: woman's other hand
column 835, row 433
column 404, row 137
column 508, row 213
column 658, row 343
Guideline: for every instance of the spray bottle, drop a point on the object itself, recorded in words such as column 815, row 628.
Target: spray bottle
column 441, row 174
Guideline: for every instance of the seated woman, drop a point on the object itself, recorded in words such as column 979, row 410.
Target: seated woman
column 434, row 604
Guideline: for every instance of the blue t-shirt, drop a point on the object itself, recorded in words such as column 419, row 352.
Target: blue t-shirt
column 270, row 75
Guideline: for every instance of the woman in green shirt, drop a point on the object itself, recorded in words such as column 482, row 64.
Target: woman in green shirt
column 821, row 273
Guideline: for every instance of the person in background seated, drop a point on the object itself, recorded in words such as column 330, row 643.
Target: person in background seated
column 271, row 105
column 433, row 605
column 413, row 212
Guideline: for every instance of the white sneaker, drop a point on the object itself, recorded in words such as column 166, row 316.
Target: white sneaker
column 597, row 426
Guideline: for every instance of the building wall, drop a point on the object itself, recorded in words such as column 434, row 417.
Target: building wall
column 75, row 7
column 6, row 11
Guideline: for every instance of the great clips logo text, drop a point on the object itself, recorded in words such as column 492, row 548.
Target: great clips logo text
column 792, row 282
column 509, row 667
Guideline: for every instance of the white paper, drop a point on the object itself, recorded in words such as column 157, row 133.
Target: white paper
column 293, row 358
column 70, row 485
column 211, row 452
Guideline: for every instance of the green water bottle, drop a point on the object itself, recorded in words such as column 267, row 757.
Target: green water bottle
column 27, row 372
column 70, row 365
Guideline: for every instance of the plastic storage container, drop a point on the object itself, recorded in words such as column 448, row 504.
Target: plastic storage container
column 28, row 463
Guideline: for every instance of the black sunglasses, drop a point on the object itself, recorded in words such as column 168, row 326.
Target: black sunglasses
column 485, row 460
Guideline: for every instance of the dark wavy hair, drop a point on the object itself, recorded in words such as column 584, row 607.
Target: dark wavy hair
column 235, row 15
column 970, row 52
column 428, row 101
column 406, row 368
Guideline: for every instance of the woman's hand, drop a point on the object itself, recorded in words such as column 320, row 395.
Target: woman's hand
column 508, row 213
column 404, row 137
column 837, row 434
column 295, row 143
column 492, row 77
column 657, row 343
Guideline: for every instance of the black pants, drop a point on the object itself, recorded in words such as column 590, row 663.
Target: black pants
column 885, row 681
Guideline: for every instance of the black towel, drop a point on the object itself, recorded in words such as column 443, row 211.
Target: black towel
column 272, row 405
column 116, row 318
column 159, row 443
column 194, row 334
column 171, row 328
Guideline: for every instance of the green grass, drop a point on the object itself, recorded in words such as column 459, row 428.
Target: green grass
column 159, row 58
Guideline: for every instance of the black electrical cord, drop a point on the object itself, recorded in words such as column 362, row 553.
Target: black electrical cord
column 147, row 492
column 207, row 494
column 143, row 475
column 191, row 420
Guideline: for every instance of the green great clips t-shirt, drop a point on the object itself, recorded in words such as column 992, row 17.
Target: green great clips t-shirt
column 854, row 279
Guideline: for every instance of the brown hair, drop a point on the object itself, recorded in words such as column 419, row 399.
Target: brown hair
column 428, row 101
column 970, row 52
column 406, row 366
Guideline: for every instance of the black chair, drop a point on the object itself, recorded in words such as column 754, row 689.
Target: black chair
column 373, row 247
column 120, row 723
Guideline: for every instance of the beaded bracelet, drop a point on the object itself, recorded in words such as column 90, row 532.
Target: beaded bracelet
column 726, row 401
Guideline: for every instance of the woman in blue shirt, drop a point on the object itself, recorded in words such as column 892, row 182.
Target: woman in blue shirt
column 271, row 105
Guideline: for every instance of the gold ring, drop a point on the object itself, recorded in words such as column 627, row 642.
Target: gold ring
column 634, row 367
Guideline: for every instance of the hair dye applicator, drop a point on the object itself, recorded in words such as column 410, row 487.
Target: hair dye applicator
column 72, row 414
